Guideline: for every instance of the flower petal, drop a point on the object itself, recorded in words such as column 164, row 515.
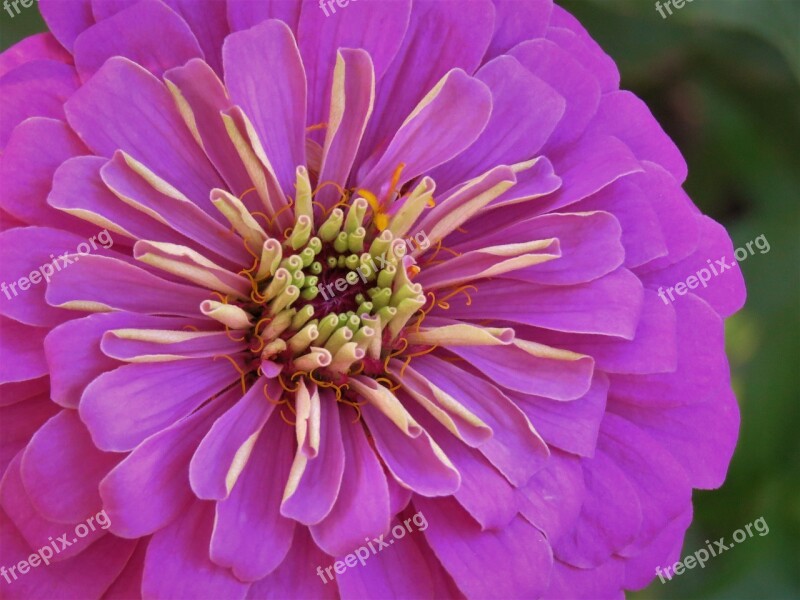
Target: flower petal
column 250, row 535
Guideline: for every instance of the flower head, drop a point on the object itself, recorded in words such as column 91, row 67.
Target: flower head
column 386, row 266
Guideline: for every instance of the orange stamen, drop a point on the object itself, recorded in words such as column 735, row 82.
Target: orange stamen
column 230, row 337
column 238, row 370
column 285, row 420
column 463, row 289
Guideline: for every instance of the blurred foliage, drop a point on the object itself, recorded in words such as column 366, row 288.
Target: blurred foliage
column 723, row 79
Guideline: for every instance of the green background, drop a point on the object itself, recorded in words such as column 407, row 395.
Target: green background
column 723, row 79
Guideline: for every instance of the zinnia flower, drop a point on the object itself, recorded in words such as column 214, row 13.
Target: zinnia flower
column 358, row 263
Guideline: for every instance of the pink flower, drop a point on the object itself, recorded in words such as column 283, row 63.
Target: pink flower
column 365, row 265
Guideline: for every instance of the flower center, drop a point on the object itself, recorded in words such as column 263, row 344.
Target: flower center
column 333, row 298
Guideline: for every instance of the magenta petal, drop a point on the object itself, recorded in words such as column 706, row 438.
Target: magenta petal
column 321, row 481
column 343, row 138
column 129, row 583
column 121, row 408
column 21, row 355
column 36, row 530
column 177, row 563
column 244, row 14
column 560, row 378
column 36, row 149
column 250, row 535
column 110, row 111
column 362, row 508
column 608, row 306
column 654, row 348
column 569, row 78
column 22, row 252
column 61, row 469
column 35, row 89
column 73, row 350
column 452, row 118
column 552, row 499
column 588, row 166
column 604, row 581
column 149, row 33
column 572, row 426
column 513, row 435
column 214, row 458
column 415, row 462
column 525, row 110
column 484, row 492
column 513, row 562
column 725, row 291
column 399, row 571
column 150, row 488
column 296, row 573
column 625, row 116
column 108, row 283
column 517, row 22
column 39, row 46
column 376, row 27
column 66, row 20
column 701, row 436
column 18, row 422
column 661, row 484
column 610, row 515
column 425, row 56
column 258, row 61
column 87, row 575
column 206, row 96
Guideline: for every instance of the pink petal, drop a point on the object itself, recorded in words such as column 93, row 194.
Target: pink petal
column 150, row 488
column 362, row 508
column 250, row 536
column 61, row 469
column 177, row 563
column 149, row 33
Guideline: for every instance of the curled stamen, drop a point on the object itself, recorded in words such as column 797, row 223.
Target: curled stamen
column 425, row 313
column 223, row 299
column 230, row 337
column 435, row 253
column 190, row 327
column 360, row 369
column 287, row 389
column 244, row 193
column 391, row 355
column 285, row 420
column 317, row 126
column 415, row 355
column 286, row 207
column 270, row 400
column 296, row 374
column 392, row 385
column 262, row 320
column 461, row 230
column 463, row 289
column 239, row 370
column 263, row 216
column 262, row 343
column 395, row 180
